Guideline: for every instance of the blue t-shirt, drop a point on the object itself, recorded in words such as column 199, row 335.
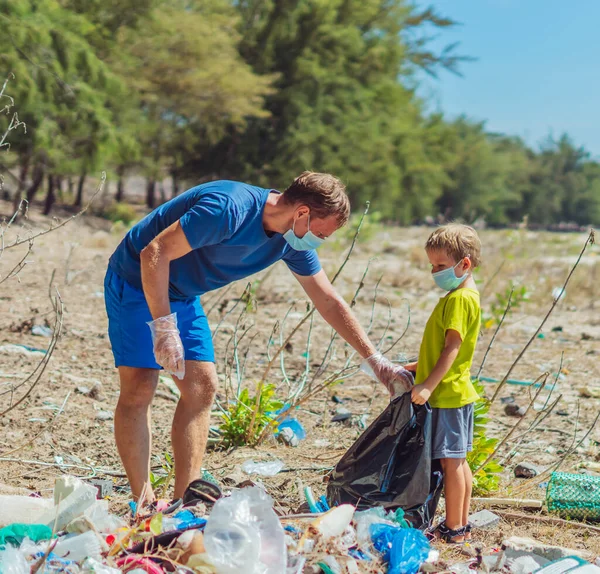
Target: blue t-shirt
column 222, row 221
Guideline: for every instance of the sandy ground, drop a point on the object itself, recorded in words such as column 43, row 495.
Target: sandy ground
column 76, row 257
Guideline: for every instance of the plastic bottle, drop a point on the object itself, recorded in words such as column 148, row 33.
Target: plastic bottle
column 73, row 506
column 243, row 534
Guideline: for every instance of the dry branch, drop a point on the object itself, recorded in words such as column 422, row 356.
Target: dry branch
column 589, row 241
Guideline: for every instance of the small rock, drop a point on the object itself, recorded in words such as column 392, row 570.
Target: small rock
column 562, row 413
column 586, row 337
column 93, row 392
column 104, row 487
column 41, row 331
column 507, row 400
column 288, row 436
column 526, row 470
column 589, row 392
column 104, row 416
column 547, row 551
column 484, row 519
column 557, row 329
column 341, row 414
column 514, row 410
column 321, row 443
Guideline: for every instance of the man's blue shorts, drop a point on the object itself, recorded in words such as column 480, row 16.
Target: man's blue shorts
column 130, row 336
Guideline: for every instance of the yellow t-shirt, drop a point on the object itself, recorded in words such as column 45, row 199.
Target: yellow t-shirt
column 458, row 310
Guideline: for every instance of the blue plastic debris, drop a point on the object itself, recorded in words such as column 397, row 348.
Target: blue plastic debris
column 405, row 549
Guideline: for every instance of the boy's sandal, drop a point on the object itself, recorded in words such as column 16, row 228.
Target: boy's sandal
column 468, row 529
column 448, row 535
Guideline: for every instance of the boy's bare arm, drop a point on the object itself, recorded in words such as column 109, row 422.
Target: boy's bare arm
column 422, row 392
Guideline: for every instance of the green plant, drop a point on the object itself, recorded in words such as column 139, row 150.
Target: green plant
column 487, row 480
column 121, row 212
column 247, row 417
column 163, row 481
column 500, row 303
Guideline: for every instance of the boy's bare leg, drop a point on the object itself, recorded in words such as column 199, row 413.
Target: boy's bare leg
column 132, row 426
column 191, row 422
column 468, row 489
column 454, row 493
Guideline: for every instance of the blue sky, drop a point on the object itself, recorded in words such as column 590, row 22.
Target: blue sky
column 537, row 70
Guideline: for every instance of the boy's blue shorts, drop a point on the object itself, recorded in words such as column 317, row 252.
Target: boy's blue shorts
column 130, row 336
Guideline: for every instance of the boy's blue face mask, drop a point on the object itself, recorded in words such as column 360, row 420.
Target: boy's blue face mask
column 306, row 243
column 447, row 279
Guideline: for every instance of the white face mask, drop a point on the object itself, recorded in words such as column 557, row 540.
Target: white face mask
column 306, row 243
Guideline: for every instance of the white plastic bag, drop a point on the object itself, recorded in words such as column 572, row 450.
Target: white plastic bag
column 243, row 534
column 22, row 509
column 12, row 561
column 263, row 468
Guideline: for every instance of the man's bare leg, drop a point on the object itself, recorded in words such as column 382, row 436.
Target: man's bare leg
column 192, row 419
column 132, row 426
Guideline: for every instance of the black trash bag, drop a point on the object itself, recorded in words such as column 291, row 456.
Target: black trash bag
column 390, row 465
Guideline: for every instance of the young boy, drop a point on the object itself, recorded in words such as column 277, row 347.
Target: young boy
column 443, row 371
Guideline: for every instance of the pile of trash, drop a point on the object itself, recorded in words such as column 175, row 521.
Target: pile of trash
column 75, row 533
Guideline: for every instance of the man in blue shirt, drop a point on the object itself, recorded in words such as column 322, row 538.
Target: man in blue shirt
column 205, row 238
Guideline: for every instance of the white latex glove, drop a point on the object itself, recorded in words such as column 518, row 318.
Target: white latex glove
column 396, row 379
column 168, row 348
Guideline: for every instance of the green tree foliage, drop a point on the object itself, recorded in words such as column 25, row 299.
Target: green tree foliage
column 260, row 90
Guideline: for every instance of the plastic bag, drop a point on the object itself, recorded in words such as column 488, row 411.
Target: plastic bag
column 410, row 549
column 243, row 534
column 168, row 348
column 16, row 533
column 12, row 561
column 77, row 547
column 396, row 379
column 22, row 509
column 390, row 465
column 92, row 566
column 263, row 468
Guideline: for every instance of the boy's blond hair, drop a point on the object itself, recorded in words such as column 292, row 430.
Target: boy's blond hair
column 458, row 241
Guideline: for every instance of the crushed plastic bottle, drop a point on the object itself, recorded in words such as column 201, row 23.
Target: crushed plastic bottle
column 243, row 534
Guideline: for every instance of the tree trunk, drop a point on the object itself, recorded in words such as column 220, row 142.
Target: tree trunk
column 175, row 183
column 70, row 186
column 38, row 176
column 59, row 189
column 79, row 199
column 151, row 193
column 22, row 177
column 50, row 196
column 120, row 184
column 163, row 195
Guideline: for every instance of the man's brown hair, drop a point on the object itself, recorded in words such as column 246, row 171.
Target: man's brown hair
column 323, row 193
column 458, row 241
